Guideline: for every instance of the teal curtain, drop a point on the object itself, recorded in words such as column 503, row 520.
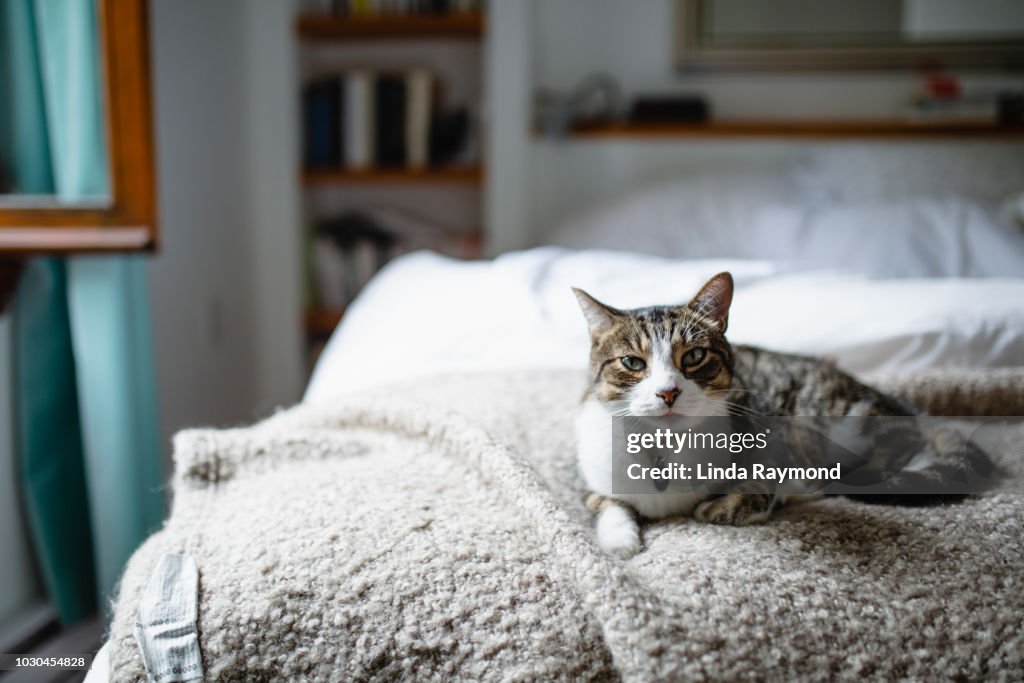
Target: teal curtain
column 25, row 148
column 68, row 54
column 88, row 436
column 109, row 304
column 49, row 440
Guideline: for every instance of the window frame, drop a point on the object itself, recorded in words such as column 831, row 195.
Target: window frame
column 128, row 221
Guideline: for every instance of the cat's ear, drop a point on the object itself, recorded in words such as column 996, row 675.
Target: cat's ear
column 599, row 316
column 714, row 299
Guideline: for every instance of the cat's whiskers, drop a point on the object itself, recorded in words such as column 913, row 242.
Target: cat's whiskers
column 744, row 411
column 621, row 409
column 739, row 406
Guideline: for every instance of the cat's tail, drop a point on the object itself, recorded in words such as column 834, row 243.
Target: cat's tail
column 948, row 469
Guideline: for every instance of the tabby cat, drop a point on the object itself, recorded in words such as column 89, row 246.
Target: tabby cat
column 668, row 360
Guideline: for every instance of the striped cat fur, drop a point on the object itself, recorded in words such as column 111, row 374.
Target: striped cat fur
column 676, row 360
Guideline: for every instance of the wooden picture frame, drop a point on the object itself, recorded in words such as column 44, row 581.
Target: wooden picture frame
column 127, row 222
column 695, row 53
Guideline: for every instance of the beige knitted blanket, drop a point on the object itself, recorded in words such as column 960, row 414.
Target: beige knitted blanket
column 436, row 532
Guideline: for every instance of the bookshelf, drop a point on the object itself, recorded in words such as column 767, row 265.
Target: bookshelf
column 383, row 43
column 320, row 322
column 823, row 129
column 456, row 26
column 445, row 175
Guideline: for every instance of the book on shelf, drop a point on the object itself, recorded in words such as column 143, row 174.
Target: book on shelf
column 348, row 249
column 358, row 119
column 321, row 102
column 361, row 119
column 390, row 133
column 329, row 274
column 418, row 88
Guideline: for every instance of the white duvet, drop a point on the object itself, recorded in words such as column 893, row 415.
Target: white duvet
column 425, row 315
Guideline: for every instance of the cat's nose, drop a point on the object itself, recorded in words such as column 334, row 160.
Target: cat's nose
column 669, row 396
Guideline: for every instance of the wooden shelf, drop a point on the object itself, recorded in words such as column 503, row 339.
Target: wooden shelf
column 320, row 322
column 798, row 129
column 460, row 25
column 445, row 175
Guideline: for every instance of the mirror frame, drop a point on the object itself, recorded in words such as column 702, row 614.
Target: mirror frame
column 127, row 222
column 693, row 53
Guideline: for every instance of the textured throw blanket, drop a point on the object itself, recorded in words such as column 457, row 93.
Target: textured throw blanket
column 436, row 532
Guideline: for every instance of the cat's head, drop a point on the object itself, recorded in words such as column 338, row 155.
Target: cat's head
column 664, row 359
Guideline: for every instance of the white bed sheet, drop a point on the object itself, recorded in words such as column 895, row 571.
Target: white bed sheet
column 426, row 315
column 99, row 672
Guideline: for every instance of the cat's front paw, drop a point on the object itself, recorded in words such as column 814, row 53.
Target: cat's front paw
column 734, row 509
column 618, row 532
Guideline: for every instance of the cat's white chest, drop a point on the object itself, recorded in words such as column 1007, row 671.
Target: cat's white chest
column 595, row 461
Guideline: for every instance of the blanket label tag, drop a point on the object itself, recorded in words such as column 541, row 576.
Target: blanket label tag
column 165, row 625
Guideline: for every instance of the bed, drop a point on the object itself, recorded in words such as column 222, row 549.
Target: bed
column 418, row 515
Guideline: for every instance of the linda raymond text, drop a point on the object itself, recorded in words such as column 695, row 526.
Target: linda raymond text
column 707, row 472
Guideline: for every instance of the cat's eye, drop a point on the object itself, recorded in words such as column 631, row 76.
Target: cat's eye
column 694, row 356
column 633, row 363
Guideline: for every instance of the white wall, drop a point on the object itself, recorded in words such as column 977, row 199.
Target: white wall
column 508, row 79
column 273, row 207
column 221, row 306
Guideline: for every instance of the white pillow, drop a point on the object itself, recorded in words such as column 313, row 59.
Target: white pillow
column 759, row 216
column 901, row 239
column 694, row 217
column 985, row 171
